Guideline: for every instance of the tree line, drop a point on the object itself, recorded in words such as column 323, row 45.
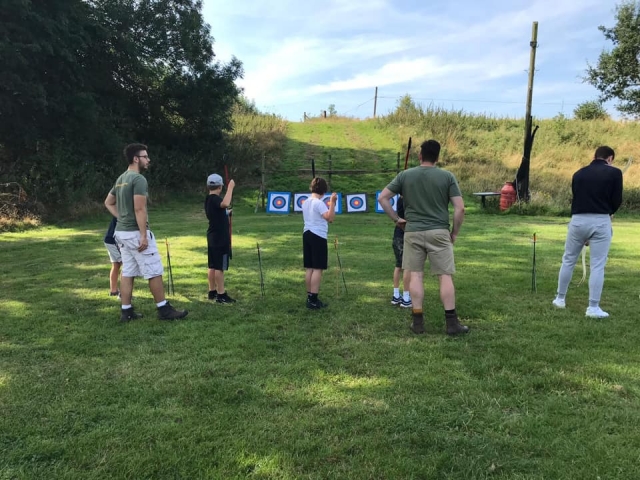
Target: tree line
column 81, row 78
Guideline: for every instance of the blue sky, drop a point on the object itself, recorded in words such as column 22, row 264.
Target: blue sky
column 301, row 56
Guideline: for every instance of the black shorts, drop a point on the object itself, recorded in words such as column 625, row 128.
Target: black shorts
column 218, row 258
column 398, row 248
column 314, row 251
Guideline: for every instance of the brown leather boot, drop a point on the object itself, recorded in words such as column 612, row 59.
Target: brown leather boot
column 417, row 326
column 454, row 327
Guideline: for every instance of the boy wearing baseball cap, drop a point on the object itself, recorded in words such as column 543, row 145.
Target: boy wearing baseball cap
column 218, row 238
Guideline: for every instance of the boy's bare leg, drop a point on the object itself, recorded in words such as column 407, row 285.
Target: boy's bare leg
column 211, row 277
column 219, row 280
column 114, row 274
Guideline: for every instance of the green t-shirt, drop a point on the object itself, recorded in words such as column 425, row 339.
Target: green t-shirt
column 426, row 192
column 130, row 183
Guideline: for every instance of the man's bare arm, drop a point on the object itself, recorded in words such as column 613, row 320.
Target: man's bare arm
column 110, row 203
column 458, row 216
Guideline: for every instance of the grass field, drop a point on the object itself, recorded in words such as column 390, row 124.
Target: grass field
column 266, row 389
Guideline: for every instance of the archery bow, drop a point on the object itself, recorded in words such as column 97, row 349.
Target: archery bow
column 226, row 181
column 406, row 158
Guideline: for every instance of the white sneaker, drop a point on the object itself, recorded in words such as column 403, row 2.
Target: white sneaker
column 596, row 312
column 558, row 303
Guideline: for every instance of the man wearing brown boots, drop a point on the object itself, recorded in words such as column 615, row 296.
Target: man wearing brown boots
column 427, row 192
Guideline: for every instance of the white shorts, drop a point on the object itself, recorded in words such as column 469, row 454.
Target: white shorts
column 147, row 263
column 114, row 253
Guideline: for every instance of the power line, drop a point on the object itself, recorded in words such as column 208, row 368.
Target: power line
column 355, row 108
column 481, row 101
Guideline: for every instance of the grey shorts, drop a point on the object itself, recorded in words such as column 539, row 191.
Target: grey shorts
column 114, row 253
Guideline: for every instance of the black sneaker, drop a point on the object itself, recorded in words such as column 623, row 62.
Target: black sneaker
column 225, row 299
column 167, row 312
column 396, row 300
column 213, row 294
column 129, row 314
column 317, row 305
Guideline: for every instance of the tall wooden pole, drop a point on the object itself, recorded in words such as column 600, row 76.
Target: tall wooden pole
column 532, row 69
column 522, row 176
column 375, row 102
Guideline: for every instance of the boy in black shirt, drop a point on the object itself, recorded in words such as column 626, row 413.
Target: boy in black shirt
column 218, row 238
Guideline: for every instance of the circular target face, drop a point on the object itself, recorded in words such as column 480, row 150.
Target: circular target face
column 392, row 201
column 301, row 200
column 326, row 201
column 279, row 201
column 355, row 202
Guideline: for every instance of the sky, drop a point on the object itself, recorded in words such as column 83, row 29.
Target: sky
column 302, row 56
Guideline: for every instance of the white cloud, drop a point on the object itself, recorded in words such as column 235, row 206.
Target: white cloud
column 317, row 51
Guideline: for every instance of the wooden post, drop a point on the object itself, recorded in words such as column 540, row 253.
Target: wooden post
column 522, row 176
column 304, row 118
column 532, row 68
column 263, row 186
column 375, row 102
column 324, row 114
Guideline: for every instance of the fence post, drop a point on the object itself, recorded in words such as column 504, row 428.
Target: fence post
column 263, row 186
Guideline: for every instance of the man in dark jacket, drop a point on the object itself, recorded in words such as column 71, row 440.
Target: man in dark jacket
column 597, row 195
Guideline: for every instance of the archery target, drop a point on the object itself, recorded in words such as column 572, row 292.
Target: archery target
column 298, row 200
column 327, row 197
column 278, row 202
column 356, row 202
column 393, row 200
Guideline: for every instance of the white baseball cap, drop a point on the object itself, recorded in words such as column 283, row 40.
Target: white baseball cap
column 214, row 180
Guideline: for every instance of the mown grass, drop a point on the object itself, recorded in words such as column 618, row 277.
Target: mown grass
column 267, row 389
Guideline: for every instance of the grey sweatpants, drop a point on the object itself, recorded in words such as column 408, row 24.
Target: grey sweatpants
column 597, row 229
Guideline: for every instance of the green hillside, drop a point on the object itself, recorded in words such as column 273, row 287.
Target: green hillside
column 483, row 152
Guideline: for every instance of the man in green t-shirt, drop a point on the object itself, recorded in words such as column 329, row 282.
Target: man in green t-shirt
column 427, row 192
column 127, row 201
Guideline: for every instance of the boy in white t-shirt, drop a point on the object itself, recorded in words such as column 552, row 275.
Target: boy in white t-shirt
column 314, row 239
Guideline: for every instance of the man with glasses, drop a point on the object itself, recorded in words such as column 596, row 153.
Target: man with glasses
column 597, row 195
column 127, row 201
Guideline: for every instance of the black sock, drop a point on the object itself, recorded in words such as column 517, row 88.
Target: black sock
column 450, row 313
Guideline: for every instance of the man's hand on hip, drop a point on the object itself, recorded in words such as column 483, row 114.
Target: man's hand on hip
column 144, row 243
